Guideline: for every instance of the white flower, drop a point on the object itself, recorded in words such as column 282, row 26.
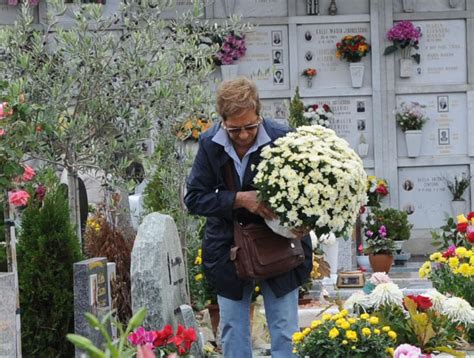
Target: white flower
column 357, row 298
column 379, row 277
column 458, row 310
column 437, row 299
column 386, row 294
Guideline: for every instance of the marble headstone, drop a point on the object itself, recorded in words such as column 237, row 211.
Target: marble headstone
column 188, row 320
column 157, row 271
column 90, row 296
column 7, row 315
column 111, row 277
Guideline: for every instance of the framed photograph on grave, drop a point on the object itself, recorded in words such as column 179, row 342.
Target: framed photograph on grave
column 443, row 136
column 277, row 57
column 308, row 36
column 443, row 103
column 350, row 279
column 278, row 77
column 277, row 38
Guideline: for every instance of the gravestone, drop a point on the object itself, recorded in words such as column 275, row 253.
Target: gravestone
column 157, row 271
column 187, row 319
column 90, row 296
column 111, row 277
column 7, row 315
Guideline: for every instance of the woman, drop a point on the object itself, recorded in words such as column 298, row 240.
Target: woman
column 239, row 139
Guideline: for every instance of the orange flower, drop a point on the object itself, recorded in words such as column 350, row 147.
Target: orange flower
column 195, row 134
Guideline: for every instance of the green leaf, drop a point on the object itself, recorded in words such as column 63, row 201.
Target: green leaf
column 390, row 49
column 93, row 320
column 137, row 319
column 85, row 344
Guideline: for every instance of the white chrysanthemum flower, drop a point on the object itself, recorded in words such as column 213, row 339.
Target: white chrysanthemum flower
column 437, row 299
column 379, row 277
column 386, row 294
column 458, row 310
column 357, row 298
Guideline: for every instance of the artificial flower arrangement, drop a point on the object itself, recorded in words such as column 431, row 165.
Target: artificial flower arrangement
column 232, row 48
column 318, row 114
column 352, row 48
column 192, row 127
column 458, row 185
column 411, row 116
column 345, row 336
column 405, row 37
column 309, row 73
column 312, row 179
column 431, row 322
column 377, row 189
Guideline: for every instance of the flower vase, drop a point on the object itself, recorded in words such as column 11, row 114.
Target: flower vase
column 458, row 207
column 413, row 141
column 229, row 71
column 357, row 73
column 381, row 262
column 405, row 67
column 363, row 149
column 363, row 262
column 309, row 82
column 331, row 253
column 398, row 245
column 408, row 5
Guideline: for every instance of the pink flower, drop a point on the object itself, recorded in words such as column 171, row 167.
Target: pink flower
column 407, row 351
column 40, row 192
column 142, row 337
column 18, row 198
column 2, row 132
column 383, row 231
column 28, row 173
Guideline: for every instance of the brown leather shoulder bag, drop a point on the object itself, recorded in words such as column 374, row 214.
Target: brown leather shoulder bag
column 258, row 252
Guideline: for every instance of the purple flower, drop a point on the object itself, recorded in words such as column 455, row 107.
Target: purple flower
column 232, row 48
column 404, row 33
column 383, row 231
column 369, row 233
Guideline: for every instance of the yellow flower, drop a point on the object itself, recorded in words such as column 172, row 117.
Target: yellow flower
column 390, row 351
column 377, row 331
column 373, row 320
column 336, row 317
column 198, row 260
column 297, row 337
column 306, row 331
column 257, row 289
column 469, row 252
column 366, row 332
column 461, row 219
column 344, row 342
column 352, row 320
column 315, row 324
column 333, row 333
column 199, row 252
column 352, row 335
column 345, row 325
column 353, row 347
column 464, row 269
column 348, row 37
column 364, row 316
column 327, row 316
column 198, row 277
column 344, row 312
column 471, row 271
column 392, row 335
column 461, row 251
column 453, row 262
column 435, row 256
column 338, row 54
column 471, row 260
column 386, row 328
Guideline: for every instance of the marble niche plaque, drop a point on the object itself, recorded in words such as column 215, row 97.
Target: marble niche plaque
column 445, row 131
column 443, row 54
column 250, row 8
column 424, row 194
column 432, row 5
column 352, row 121
column 276, row 109
column 317, row 49
column 266, row 59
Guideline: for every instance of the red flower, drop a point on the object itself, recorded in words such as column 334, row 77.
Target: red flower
column 461, row 227
column 315, row 107
column 28, row 173
column 450, row 252
column 18, row 198
column 326, row 107
column 163, row 336
column 470, row 216
column 184, row 339
column 40, row 192
column 382, row 189
column 470, row 237
column 422, row 302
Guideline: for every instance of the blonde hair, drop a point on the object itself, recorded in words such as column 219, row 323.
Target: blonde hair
column 236, row 96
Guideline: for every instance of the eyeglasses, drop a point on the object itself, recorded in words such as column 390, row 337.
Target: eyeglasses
column 247, row 128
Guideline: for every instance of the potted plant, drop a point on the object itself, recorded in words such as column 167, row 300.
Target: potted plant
column 379, row 243
column 232, row 48
column 353, row 48
column 411, row 119
column 457, row 186
column 405, row 37
column 396, row 223
column 309, row 73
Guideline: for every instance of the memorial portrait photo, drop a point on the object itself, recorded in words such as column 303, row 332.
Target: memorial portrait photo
column 308, row 36
column 278, row 77
column 443, row 136
column 409, row 208
column 280, row 113
column 276, row 38
column 408, row 185
column 361, row 124
column 360, row 106
column 277, row 59
column 443, row 104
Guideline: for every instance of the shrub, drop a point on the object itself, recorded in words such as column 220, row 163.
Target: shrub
column 47, row 250
column 395, row 222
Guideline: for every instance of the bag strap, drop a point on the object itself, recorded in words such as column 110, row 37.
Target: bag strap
column 229, row 175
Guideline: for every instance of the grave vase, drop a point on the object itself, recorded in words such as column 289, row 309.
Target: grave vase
column 405, row 67
column 357, row 73
column 229, row 71
column 458, row 207
column 331, row 254
column 363, row 262
column 363, row 149
column 309, row 82
column 413, row 141
column 409, row 5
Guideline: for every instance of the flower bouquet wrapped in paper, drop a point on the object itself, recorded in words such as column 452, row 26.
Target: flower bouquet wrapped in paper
column 313, row 180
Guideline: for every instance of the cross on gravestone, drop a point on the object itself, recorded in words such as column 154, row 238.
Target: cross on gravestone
column 157, row 271
column 7, row 315
column 186, row 316
column 90, row 295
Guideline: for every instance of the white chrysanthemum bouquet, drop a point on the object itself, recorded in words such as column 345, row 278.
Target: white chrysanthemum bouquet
column 311, row 178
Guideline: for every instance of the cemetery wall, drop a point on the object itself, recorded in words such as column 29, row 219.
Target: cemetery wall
column 444, row 76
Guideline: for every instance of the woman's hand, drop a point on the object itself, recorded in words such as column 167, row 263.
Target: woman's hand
column 249, row 201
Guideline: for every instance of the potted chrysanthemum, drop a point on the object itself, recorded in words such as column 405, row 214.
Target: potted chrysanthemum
column 411, row 118
column 232, row 48
column 312, row 179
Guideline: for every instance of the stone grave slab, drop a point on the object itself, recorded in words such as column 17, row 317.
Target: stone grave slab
column 7, row 315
